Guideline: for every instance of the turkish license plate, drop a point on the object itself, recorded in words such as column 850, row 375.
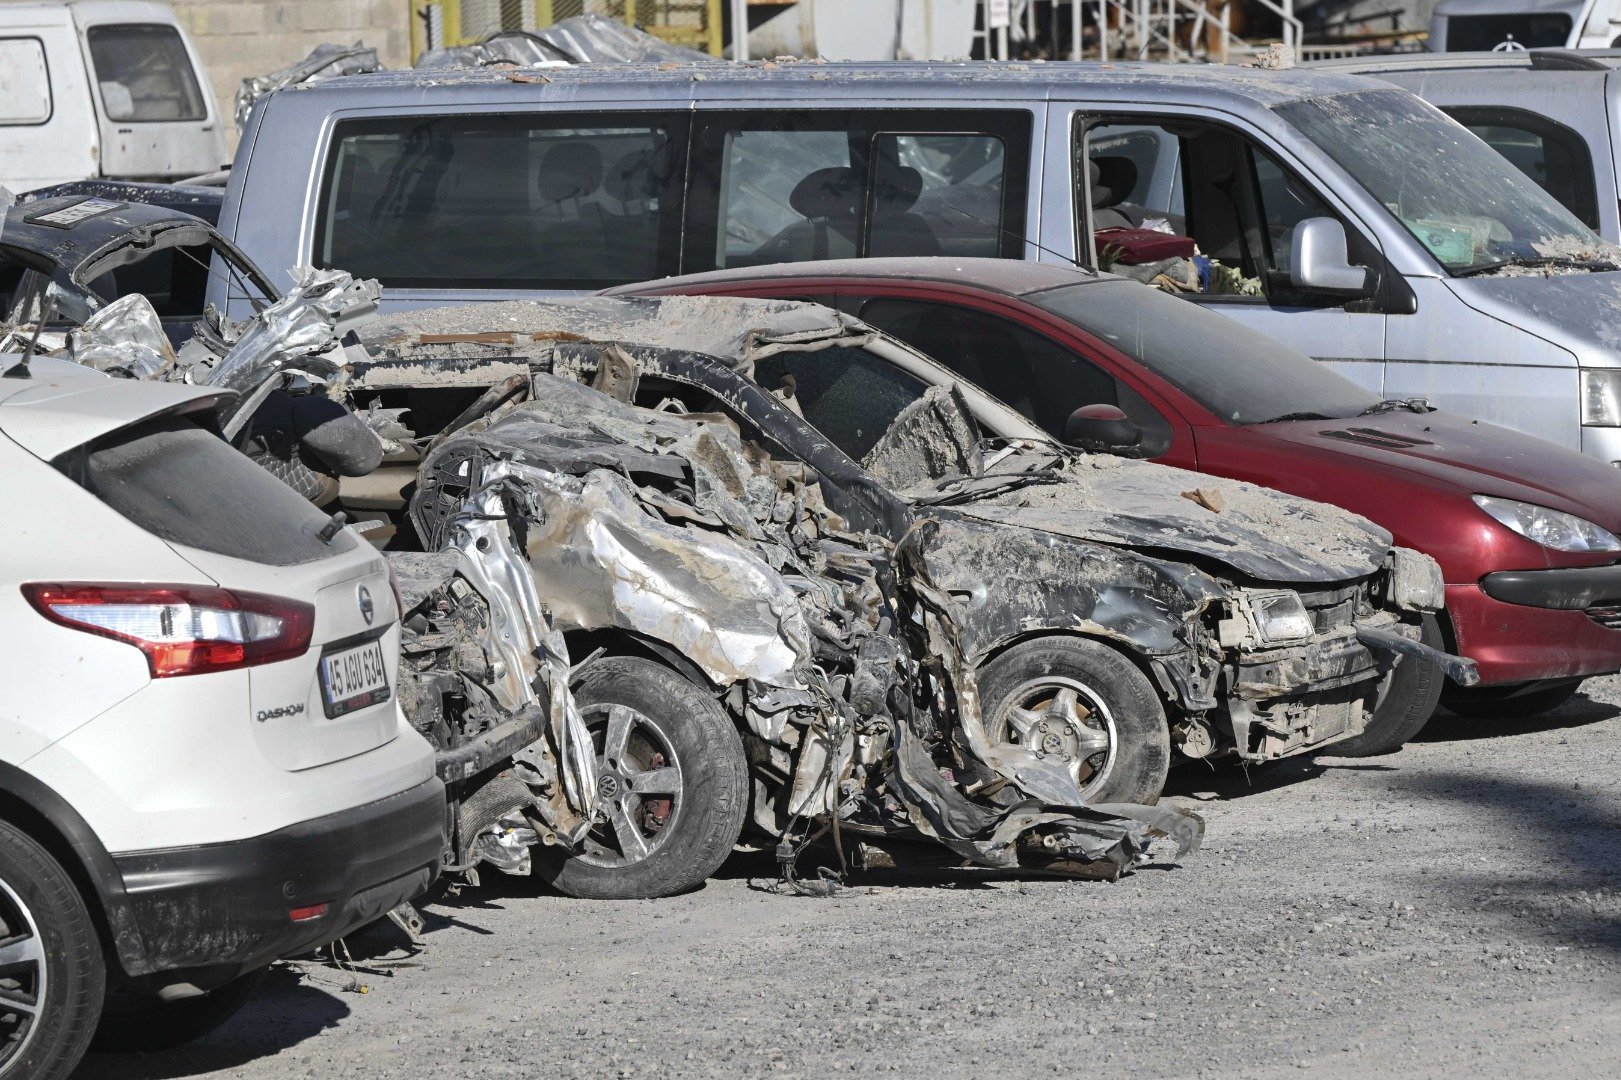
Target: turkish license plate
column 353, row 678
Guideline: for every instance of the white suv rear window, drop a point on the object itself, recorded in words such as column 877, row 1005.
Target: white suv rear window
column 186, row 485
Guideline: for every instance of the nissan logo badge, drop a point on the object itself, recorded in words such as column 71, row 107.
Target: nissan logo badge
column 368, row 610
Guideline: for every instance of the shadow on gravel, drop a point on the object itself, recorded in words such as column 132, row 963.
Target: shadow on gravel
column 1579, row 711
column 1557, row 861
column 288, row 1010
column 1198, row 780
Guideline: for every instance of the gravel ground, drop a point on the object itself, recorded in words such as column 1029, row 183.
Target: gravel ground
column 1454, row 909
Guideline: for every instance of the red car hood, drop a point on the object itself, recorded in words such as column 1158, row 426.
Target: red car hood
column 1471, row 455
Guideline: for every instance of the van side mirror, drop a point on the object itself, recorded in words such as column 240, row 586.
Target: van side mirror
column 1102, row 429
column 1318, row 260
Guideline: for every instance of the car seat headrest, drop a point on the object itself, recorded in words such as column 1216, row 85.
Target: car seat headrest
column 897, row 189
column 1113, row 179
column 631, row 178
column 569, row 170
column 825, row 193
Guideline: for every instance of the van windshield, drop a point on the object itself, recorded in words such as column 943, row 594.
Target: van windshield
column 1454, row 193
column 1239, row 375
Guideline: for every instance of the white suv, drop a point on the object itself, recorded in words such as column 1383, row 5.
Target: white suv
column 202, row 764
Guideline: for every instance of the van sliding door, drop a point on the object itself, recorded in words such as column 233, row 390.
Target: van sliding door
column 791, row 185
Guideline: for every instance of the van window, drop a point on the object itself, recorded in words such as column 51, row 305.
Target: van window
column 1446, row 187
column 145, row 73
column 1550, row 153
column 1527, row 30
column 25, row 84
column 791, row 186
column 1201, row 182
column 536, row 202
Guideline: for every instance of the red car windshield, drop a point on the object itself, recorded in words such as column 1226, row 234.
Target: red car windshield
column 1239, row 374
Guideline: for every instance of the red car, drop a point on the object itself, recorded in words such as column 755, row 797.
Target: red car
column 1525, row 531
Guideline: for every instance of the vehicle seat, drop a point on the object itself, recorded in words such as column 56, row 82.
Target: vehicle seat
column 896, row 230
column 474, row 200
column 631, row 234
column 1112, row 179
column 827, row 199
column 571, row 229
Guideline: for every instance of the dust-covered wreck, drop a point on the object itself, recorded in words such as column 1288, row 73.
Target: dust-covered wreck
column 937, row 626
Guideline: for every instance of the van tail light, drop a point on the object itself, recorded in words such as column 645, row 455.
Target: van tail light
column 182, row 629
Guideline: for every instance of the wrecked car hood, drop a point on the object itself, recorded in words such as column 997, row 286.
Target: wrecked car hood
column 1260, row 533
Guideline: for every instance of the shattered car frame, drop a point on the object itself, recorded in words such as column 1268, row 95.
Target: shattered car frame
column 82, row 252
column 669, row 495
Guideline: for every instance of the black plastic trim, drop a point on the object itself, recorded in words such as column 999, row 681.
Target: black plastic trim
column 1570, row 589
column 228, row 903
column 94, row 863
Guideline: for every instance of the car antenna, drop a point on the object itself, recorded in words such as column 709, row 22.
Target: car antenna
column 1076, row 263
column 19, row 370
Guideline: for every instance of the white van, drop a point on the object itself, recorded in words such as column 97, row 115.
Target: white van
column 101, row 89
column 1516, row 25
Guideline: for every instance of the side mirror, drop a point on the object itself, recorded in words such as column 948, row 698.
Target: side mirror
column 1102, row 429
column 1318, row 259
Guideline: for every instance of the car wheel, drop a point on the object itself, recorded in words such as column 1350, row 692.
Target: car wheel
column 1509, row 702
column 52, row 975
column 1088, row 707
column 672, row 785
column 1407, row 699
column 139, row 1023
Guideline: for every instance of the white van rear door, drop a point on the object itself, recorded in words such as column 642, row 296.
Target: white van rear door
column 157, row 115
column 47, row 129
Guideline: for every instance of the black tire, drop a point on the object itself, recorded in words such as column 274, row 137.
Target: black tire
column 146, row 1023
column 1031, row 676
column 1509, row 702
column 1406, row 702
column 686, row 728
column 42, row 911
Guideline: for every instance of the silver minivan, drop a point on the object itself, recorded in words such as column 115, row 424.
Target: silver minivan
column 1334, row 212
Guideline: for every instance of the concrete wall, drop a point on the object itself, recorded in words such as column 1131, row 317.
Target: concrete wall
column 240, row 38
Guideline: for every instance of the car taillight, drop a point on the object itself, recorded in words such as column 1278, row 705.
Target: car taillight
column 182, row 629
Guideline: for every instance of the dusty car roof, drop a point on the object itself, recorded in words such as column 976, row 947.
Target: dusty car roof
column 1011, row 277
column 73, row 230
column 653, row 82
column 719, row 326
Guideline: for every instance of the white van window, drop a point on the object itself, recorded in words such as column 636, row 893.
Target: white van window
column 1555, row 157
column 25, row 84
column 772, row 181
column 1194, row 206
column 791, row 186
column 145, row 73
column 503, row 201
column 1445, row 186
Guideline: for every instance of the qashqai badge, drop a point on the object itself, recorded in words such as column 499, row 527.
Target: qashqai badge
column 368, row 610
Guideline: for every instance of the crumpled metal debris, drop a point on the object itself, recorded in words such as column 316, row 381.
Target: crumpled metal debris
column 325, row 61
column 834, row 648
column 580, row 39
column 125, row 338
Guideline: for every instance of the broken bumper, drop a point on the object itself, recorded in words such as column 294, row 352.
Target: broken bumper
column 232, row 905
column 1292, row 699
